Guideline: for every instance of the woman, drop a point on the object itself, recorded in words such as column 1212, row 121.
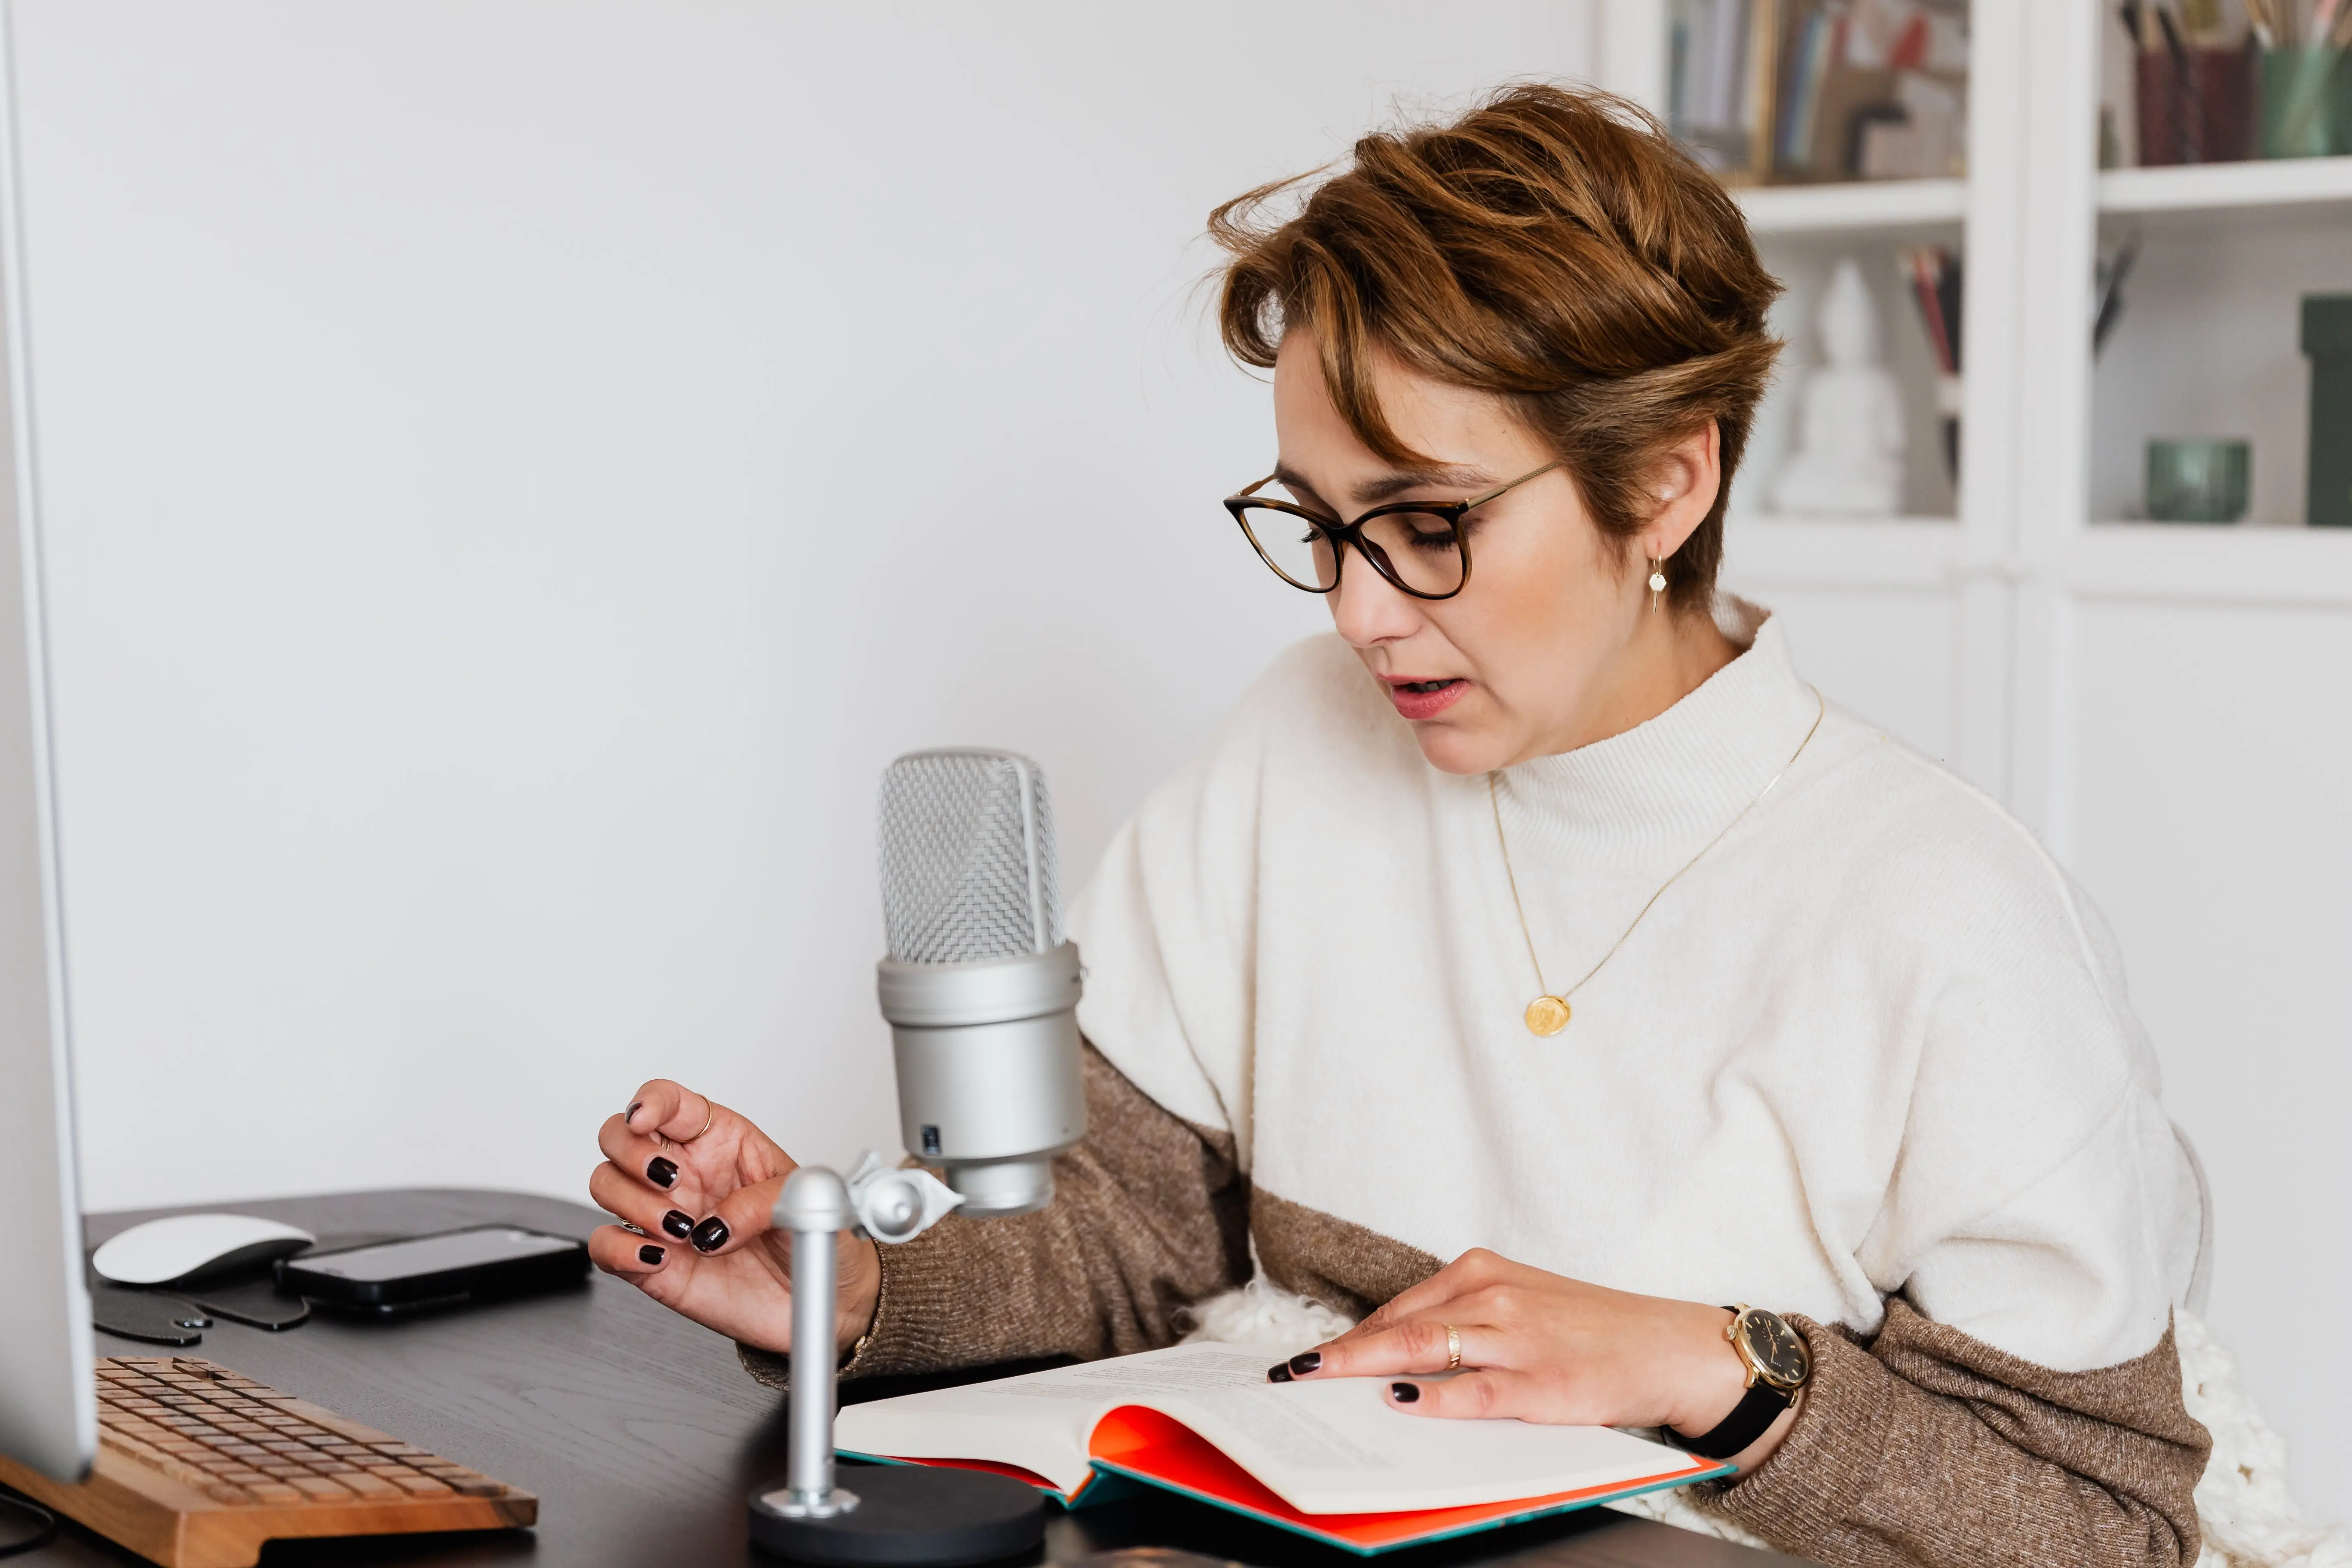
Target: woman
column 1544, row 919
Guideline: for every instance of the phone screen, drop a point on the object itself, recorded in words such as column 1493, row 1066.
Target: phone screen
column 433, row 1254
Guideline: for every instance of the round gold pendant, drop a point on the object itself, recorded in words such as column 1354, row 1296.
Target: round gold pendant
column 1548, row 1016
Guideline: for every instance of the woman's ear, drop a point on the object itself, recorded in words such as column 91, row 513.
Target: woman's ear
column 1682, row 488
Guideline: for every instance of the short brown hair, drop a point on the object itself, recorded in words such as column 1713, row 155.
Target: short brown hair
column 1552, row 247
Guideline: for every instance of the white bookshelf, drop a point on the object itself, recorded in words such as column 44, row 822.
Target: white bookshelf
column 2282, row 182
column 1878, row 207
column 2169, row 705
column 2211, row 564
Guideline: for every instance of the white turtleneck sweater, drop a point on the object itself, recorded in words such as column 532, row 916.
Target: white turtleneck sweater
column 1872, row 1041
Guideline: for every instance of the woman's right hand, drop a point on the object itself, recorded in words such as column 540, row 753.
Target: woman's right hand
column 700, row 1180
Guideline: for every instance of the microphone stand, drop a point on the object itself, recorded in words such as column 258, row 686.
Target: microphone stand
column 904, row 1514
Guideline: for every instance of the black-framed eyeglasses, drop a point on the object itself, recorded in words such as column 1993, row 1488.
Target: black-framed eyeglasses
column 1417, row 545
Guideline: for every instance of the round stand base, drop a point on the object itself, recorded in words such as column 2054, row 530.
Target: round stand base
column 914, row 1514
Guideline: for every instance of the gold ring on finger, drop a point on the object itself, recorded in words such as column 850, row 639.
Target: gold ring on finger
column 712, row 1117
column 1452, row 1348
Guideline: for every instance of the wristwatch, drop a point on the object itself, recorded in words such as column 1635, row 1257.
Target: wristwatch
column 1778, row 1366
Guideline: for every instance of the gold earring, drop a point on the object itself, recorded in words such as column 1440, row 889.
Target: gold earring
column 1657, row 583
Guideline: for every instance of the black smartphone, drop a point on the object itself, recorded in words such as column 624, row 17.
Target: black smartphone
column 444, row 1269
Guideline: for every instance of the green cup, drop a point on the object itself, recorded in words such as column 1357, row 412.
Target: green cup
column 2199, row 480
column 2307, row 103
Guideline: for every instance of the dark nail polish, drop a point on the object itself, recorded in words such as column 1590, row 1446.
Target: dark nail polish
column 661, row 1172
column 1278, row 1372
column 629, row 1117
column 1305, row 1362
column 1404, row 1393
column 711, row 1235
column 678, row 1225
column 652, row 1254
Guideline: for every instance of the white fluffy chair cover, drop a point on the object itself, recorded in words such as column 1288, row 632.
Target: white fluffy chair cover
column 2242, row 1505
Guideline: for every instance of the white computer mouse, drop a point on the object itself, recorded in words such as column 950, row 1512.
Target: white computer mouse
column 187, row 1247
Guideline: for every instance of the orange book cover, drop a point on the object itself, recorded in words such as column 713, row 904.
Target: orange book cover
column 1157, row 1450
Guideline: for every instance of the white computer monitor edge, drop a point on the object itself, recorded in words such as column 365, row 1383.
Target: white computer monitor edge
column 48, row 1409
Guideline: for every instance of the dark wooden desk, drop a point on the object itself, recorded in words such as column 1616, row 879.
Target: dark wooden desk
column 642, row 1436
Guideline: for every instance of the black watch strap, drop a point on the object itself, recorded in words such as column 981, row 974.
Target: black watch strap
column 1750, row 1419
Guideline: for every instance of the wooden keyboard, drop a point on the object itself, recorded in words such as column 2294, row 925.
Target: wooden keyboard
column 198, row 1466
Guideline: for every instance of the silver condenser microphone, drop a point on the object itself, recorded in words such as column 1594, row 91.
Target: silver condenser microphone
column 983, row 994
column 981, row 989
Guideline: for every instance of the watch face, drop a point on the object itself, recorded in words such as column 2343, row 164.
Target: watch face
column 1779, row 1354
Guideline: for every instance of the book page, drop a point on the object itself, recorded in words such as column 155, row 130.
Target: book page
column 1039, row 1421
column 1339, row 1447
column 1324, row 1448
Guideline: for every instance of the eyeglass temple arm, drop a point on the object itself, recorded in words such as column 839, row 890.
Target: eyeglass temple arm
column 1250, row 491
column 1481, row 500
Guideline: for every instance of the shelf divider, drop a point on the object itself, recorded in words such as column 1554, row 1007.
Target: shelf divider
column 1854, row 206
column 2227, row 187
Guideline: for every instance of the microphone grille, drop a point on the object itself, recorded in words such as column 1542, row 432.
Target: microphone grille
column 966, row 842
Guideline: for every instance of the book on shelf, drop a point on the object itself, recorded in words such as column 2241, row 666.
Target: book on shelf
column 2213, row 84
column 1711, row 81
column 1935, row 277
column 1332, row 1459
column 1801, row 90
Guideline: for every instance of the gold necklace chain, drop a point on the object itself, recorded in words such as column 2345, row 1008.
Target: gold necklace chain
column 1548, row 1014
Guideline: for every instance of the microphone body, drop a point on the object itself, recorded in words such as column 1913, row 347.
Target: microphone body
column 979, row 989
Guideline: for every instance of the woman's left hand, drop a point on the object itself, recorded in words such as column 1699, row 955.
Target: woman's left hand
column 1548, row 1350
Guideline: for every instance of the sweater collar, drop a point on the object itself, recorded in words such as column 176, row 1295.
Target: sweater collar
column 1660, row 790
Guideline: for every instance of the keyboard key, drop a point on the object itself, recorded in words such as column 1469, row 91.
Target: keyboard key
column 366, row 1485
column 166, row 1464
column 476, row 1486
column 351, row 1431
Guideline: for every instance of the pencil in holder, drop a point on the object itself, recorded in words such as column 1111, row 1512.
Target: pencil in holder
column 2195, row 105
column 2306, row 101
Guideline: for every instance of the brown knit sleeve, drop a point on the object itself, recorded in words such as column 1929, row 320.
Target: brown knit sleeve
column 1149, row 1214
column 1931, row 1449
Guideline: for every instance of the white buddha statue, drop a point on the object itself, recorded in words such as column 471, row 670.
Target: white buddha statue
column 1848, row 457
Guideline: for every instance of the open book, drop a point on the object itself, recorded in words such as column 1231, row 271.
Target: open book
column 1329, row 1460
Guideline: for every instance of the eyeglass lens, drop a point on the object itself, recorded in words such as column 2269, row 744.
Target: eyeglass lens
column 1416, row 548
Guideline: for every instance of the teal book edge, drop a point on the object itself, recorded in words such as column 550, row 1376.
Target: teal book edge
column 1111, row 1482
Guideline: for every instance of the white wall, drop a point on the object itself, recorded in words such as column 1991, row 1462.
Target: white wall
column 517, row 471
